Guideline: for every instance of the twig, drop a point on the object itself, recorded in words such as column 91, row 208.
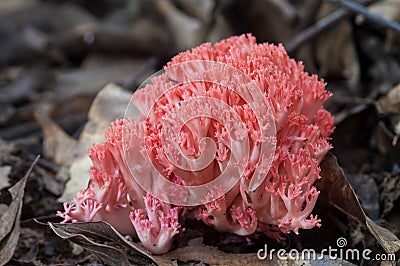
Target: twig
column 315, row 29
column 353, row 100
column 359, row 9
column 319, row 27
column 341, row 116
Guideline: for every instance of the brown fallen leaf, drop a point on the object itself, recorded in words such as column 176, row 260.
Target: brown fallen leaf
column 104, row 241
column 10, row 220
column 337, row 191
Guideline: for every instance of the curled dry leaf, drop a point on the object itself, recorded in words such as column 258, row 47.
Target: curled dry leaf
column 10, row 220
column 337, row 191
column 104, row 241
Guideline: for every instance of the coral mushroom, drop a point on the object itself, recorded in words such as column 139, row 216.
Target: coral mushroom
column 284, row 200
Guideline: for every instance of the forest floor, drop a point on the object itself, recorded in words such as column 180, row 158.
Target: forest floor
column 56, row 56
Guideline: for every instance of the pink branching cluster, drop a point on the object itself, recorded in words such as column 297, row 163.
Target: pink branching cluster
column 281, row 204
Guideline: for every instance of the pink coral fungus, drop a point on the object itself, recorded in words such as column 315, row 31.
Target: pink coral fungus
column 144, row 149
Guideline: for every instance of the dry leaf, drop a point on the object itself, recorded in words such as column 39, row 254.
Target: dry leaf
column 104, row 241
column 4, row 172
column 390, row 103
column 109, row 104
column 388, row 240
column 10, row 220
column 337, row 191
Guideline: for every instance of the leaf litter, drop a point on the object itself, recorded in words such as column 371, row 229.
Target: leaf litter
column 54, row 66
